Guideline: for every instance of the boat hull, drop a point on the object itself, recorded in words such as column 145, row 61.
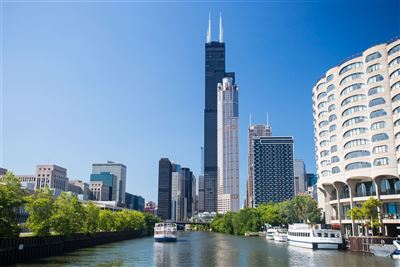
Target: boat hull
column 165, row 239
column 280, row 238
column 313, row 245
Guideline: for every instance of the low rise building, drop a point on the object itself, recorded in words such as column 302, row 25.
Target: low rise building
column 79, row 188
column 52, row 176
column 99, row 191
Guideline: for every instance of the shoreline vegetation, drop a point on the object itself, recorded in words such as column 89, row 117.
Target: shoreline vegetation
column 63, row 215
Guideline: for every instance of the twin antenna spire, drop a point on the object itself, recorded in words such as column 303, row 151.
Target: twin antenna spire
column 221, row 30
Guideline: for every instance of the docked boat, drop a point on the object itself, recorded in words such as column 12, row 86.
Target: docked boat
column 280, row 235
column 165, row 232
column 382, row 250
column 396, row 253
column 303, row 235
column 270, row 233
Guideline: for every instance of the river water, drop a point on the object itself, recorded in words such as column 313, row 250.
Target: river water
column 209, row 249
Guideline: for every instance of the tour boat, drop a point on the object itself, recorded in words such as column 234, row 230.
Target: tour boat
column 396, row 253
column 382, row 250
column 280, row 235
column 165, row 232
column 270, row 233
column 303, row 235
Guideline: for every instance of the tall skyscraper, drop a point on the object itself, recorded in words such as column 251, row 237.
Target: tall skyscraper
column 254, row 131
column 214, row 72
column 299, row 176
column 164, row 188
column 228, row 146
column 356, row 108
column 119, row 183
column 273, row 169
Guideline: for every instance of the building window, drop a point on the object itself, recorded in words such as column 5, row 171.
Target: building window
column 352, row 88
column 376, row 90
column 395, row 73
column 377, row 113
column 323, row 124
column 331, row 98
column 321, row 95
column 380, row 149
column 397, row 122
column 323, row 133
column 354, row 109
column 319, row 86
column 374, row 79
column 395, row 86
column 378, row 125
column 333, row 149
column 374, row 67
column 358, row 165
column 329, row 78
column 379, row 137
column 322, row 104
column 333, row 138
column 332, row 128
column 324, row 143
column 351, row 77
column 357, row 154
column 354, row 120
column 394, row 62
column 390, row 186
column 335, row 170
column 373, row 56
column 352, row 99
column 394, row 50
column 325, row 163
column 322, row 114
column 332, row 118
column 350, row 66
column 335, row 159
column 325, row 173
column 330, row 88
column 381, row 161
column 355, row 131
column 376, row 101
column 396, row 98
column 331, row 107
column 396, row 110
column 356, row 142
column 324, row 153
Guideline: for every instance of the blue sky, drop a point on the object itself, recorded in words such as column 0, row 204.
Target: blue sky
column 87, row 82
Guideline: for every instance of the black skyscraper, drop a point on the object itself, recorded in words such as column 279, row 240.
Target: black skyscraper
column 164, row 188
column 214, row 72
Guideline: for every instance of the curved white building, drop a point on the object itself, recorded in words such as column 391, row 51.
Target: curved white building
column 356, row 110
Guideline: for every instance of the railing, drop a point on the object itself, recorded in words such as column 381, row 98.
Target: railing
column 391, row 216
column 390, row 192
column 344, row 196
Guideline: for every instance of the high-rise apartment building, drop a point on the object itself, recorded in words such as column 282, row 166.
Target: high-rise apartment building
column 254, row 131
column 273, row 169
column 214, row 72
column 299, row 177
column 356, row 108
column 119, row 183
column 52, row 176
column 164, row 188
column 228, row 146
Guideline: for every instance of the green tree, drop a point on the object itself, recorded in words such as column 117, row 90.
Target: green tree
column 129, row 220
column 355, row 214
column 40, row 207
column 305, row 209
column 67, row 217
column 272, row 213
column 370, row 211
column 11, row 199
column 107, row 220
column 91, row 218
column 150, row 220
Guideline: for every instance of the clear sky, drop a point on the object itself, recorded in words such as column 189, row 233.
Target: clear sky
column 86, row 82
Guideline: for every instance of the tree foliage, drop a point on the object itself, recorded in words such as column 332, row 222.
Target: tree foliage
column 11, row 199
column 129, row 220
column 40, row 209
column 91, row 218
column 299, row 209
column 106, row 221
column 67, row 214
column 368, row 213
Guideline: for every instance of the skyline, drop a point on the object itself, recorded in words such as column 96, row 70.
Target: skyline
column 98, row 89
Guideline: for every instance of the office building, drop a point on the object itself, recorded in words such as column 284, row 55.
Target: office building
column 3, row 171
column 119, row 181
column 253, row 131
column 27, row 181
column 201, row 194
column 134, row 202
column 52, row 176
column 179, row 201
column 79, row 188
column 99, row 191
column 214, row 72
column 109, row 180
column 356, row 112
column 164, row 188
column 312, row 179
column 300, row 183
column 228, row 146
column 273, row 169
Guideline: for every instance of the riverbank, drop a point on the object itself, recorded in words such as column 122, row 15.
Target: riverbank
column 28, row 248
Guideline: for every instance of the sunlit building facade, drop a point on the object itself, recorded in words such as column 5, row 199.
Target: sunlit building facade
column 356, row 112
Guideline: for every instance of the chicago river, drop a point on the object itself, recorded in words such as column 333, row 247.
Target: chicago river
column 209, row 249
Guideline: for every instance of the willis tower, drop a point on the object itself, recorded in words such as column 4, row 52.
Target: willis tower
column 214, row 72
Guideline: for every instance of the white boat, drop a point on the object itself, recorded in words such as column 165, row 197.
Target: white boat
column 396, row 253
column 270, row 233
column 382, row 250
column 280, row 235
column 303, row 235
column 165, row 232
